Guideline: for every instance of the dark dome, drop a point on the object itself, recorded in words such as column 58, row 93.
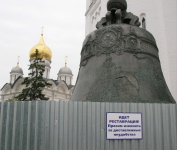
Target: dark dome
column 16, row 69
column 65, row 70
column 119, row 4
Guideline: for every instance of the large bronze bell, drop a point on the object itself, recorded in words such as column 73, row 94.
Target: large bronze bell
column 120, row 62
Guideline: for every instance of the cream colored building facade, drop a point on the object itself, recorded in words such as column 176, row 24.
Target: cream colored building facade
column 61, row 88
column 160, row 18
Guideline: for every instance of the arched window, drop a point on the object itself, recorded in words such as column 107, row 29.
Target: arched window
column 93, row 19
column 143, row 23
column 143, row 20
column 10, row 78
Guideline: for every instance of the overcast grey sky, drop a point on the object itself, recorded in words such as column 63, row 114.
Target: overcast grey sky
column 20, row 29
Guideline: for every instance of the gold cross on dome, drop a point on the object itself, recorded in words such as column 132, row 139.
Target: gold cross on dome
column 42, row 30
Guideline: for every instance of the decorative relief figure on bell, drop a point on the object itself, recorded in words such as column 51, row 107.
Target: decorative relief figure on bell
column 108, row 39
column 114, row 39
column 113, row 84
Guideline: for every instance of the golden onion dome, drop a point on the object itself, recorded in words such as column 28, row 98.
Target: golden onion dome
column 44, row 50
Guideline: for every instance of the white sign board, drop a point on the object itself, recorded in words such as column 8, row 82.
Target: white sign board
column 124, row 126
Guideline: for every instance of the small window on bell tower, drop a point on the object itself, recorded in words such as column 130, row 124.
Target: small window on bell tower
column 144, row 23
column 143, row 20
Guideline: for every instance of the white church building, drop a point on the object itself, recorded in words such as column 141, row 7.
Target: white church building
column 61, row 88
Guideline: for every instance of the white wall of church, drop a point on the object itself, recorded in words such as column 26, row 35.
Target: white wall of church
column 14, row 76
column 161, row 21
column 57, row 91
